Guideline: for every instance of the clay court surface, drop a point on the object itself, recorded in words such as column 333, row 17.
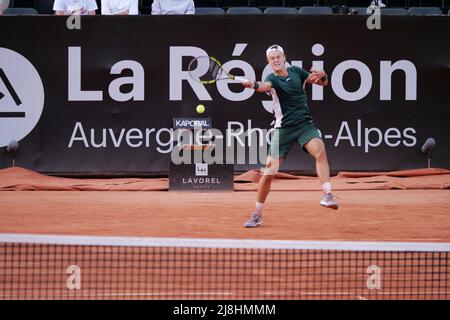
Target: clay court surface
column 385, row 207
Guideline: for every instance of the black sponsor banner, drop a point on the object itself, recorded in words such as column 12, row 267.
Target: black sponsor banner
column 200, row 177
column 101, row 99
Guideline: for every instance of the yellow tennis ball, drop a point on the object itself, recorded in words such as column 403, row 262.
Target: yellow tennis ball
column 200, row 108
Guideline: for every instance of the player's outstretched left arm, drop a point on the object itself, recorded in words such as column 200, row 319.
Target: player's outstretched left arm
column 317, row 77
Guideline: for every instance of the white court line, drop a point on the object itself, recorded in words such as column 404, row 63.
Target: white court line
column 224, row 243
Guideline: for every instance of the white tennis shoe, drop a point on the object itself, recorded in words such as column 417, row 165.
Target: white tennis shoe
column 254, row 221
column 329, row 202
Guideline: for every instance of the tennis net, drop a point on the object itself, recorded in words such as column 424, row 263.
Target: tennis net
column 79, row 267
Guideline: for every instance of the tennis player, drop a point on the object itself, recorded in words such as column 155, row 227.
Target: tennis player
column 293, row 124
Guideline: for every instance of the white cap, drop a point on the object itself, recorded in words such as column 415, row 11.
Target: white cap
column 274, row 47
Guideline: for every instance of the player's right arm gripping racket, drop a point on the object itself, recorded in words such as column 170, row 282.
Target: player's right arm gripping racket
column 208, row 70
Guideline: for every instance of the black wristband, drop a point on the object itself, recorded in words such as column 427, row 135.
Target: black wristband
column 324, row 78
column 255, row 85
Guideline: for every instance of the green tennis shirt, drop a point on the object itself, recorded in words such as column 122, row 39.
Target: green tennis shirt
column 290, row 104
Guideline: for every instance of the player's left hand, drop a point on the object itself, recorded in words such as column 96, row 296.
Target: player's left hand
column 316, row 75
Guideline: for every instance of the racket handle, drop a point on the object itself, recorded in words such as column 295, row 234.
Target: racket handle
column 241, row 80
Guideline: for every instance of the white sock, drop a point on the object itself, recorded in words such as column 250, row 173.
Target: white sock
column 259, row 207
column 326, row 187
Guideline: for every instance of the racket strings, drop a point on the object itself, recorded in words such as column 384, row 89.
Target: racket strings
column 213, row 72
column 214, row 69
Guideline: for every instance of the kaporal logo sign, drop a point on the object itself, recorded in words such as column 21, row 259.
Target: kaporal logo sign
column 192, row 123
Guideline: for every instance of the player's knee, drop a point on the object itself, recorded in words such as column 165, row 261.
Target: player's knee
column 272, row 163
column 272, row 167
column 269, row 171
column 320, row 155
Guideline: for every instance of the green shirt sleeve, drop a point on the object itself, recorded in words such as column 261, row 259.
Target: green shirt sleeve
column 302, row 73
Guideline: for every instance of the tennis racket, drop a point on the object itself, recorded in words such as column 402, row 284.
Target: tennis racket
column 208, row 70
